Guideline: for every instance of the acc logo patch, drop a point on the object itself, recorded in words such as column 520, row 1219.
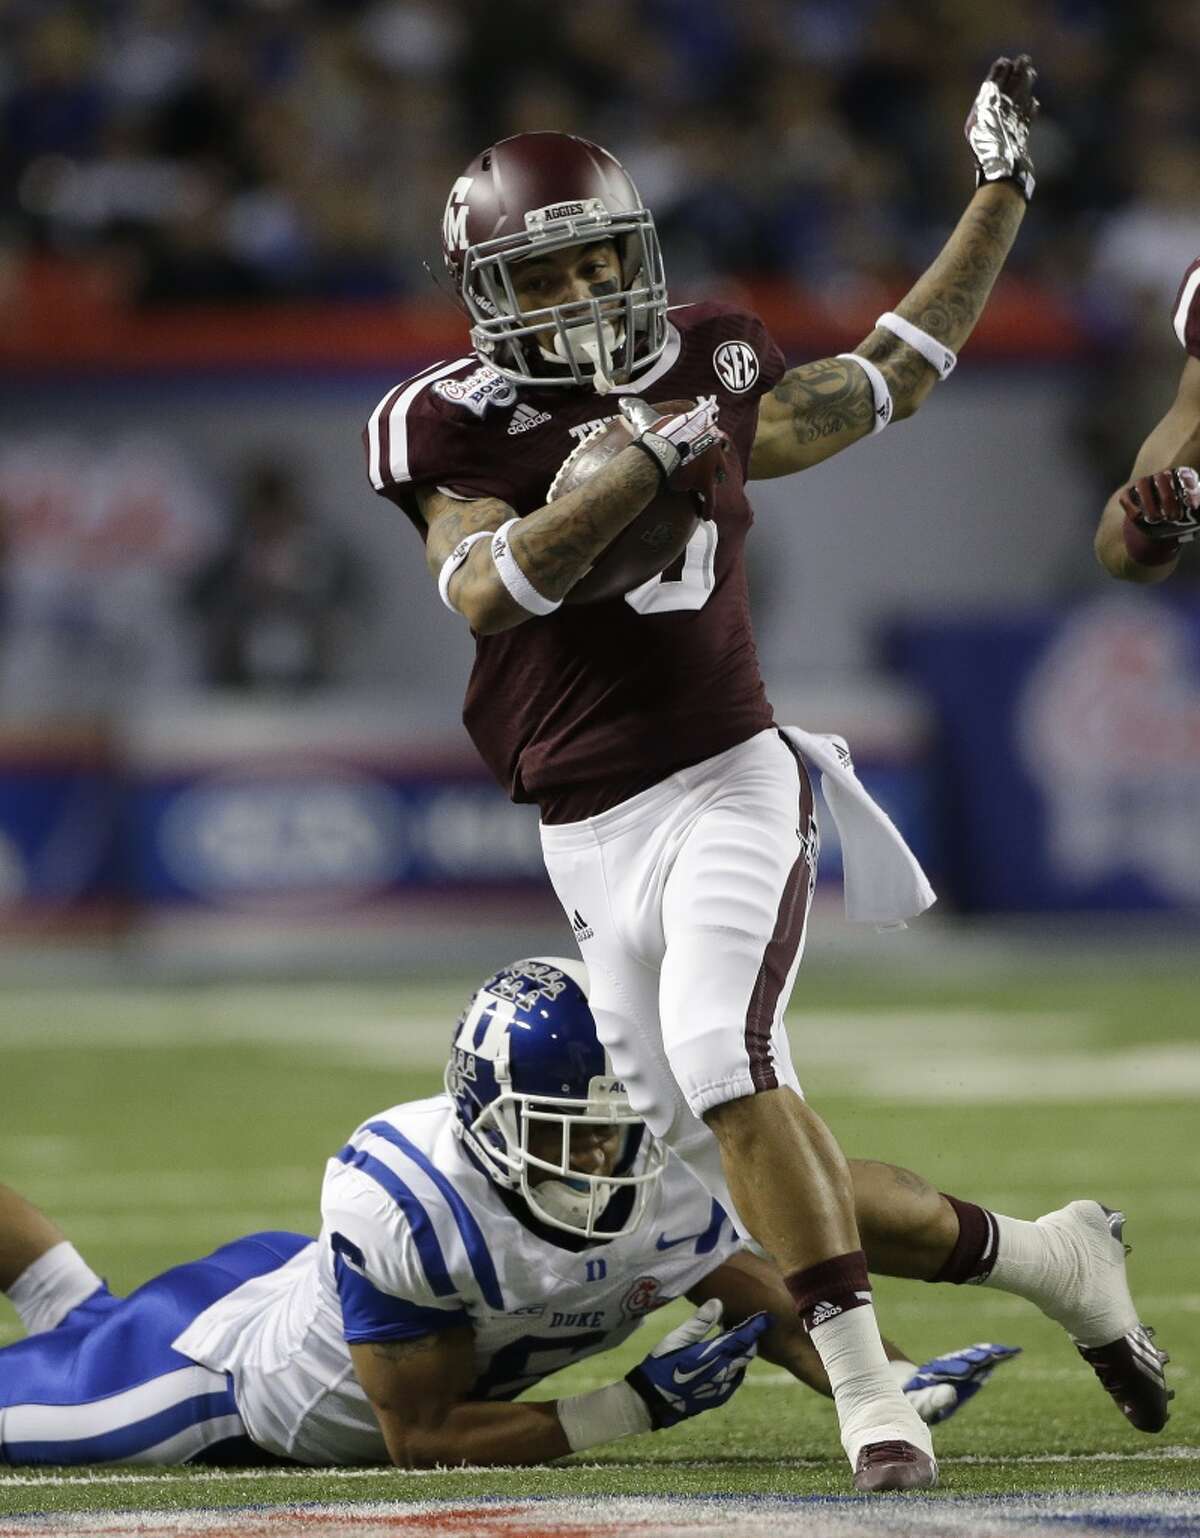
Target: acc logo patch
column 736, row 364
column 477, row 391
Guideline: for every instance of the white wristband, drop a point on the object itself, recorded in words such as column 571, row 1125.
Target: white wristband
column 520, row 589
column 879, row 389
column 935, row 353
column 602, row 1416
column 454, row 560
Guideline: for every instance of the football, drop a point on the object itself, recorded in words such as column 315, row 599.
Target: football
column 654, row 540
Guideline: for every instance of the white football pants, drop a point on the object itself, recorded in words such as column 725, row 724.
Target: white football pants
column 689, row 903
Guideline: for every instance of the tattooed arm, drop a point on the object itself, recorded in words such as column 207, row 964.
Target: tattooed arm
column 820, row 408
column 1174, row 441
column 418, row 1390
column 554, row 546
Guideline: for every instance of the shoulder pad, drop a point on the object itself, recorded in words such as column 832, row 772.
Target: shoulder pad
column 1187, row 310
column 746, row 360
column 398, row 429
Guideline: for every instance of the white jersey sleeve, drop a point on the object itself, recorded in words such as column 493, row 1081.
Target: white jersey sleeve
column 382, row 1240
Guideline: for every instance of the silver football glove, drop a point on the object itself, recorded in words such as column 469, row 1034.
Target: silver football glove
column 676, row 440
column 998, row 124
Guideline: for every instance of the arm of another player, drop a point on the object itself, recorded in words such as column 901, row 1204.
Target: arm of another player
column 820, row 408
column 1174, row 442
column 528, row 570
column 418, row 1388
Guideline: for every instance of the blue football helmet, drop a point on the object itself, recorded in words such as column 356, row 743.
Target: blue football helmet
column 526, row 1055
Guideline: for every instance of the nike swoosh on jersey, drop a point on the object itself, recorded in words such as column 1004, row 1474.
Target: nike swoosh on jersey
column 663, row 1243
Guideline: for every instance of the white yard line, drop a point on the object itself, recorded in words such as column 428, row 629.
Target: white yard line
column 1177, row 1454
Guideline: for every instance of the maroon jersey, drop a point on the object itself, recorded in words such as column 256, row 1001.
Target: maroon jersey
column 1187, row 311
column 580, row 709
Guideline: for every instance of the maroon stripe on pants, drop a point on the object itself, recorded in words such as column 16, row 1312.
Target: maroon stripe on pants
column 785, row 941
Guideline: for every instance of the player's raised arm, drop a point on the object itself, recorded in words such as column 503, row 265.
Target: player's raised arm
column 1146, row 523
column 820, row 408
column 498, row 570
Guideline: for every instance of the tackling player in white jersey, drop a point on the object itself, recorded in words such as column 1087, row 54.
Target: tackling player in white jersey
column 471, row 1244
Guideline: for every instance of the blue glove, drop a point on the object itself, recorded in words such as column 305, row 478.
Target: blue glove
column 686, row 1374
column 939, row 1388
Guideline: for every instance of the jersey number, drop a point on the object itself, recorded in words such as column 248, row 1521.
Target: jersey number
column 692, row 587
column 530, row 1357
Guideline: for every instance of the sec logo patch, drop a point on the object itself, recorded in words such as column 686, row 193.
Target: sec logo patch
column 736, row 364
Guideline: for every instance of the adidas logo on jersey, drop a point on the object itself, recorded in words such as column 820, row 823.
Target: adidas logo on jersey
column 525, row 417
column 583, row 930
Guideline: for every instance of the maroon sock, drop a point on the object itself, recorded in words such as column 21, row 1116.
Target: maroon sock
column 830, row 1288
column 974, row 1252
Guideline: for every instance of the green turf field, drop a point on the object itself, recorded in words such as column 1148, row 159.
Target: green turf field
column 155, row 1124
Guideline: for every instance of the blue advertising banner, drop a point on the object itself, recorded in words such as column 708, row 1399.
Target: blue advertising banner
column 323, row 834
column 59, row 851
column 1068, row 754
column 244, row 817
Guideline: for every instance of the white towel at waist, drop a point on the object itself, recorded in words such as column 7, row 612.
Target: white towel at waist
column 882, row 878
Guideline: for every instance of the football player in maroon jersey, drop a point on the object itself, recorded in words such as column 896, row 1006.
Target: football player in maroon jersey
column 1146, row 524
column 677, row 819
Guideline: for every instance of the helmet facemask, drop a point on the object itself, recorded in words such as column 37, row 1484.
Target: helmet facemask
column 568, row 1199
column 525, row 1060
column 603, row 341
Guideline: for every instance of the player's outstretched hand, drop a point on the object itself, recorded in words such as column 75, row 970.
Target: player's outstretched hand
column 940, row 1388
column 687, row 1374
column 999, row 121
column 1165, row 505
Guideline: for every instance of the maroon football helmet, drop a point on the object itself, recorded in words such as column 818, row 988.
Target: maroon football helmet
column 539, row 192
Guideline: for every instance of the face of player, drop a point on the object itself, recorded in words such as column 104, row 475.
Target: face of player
column 566, row 276
column 594, row 1150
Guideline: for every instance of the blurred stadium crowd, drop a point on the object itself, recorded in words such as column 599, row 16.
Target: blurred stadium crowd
column 251, row 149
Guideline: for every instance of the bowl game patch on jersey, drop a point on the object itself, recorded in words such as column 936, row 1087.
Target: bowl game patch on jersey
column 479, row 390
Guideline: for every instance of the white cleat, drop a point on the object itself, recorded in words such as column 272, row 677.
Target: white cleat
column 1095, row 1308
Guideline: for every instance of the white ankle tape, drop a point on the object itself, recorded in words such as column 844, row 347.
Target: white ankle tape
column 520, row 589
column 46, row 1291
column 870, row 1406
column 935, row 353
column 879, row 390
